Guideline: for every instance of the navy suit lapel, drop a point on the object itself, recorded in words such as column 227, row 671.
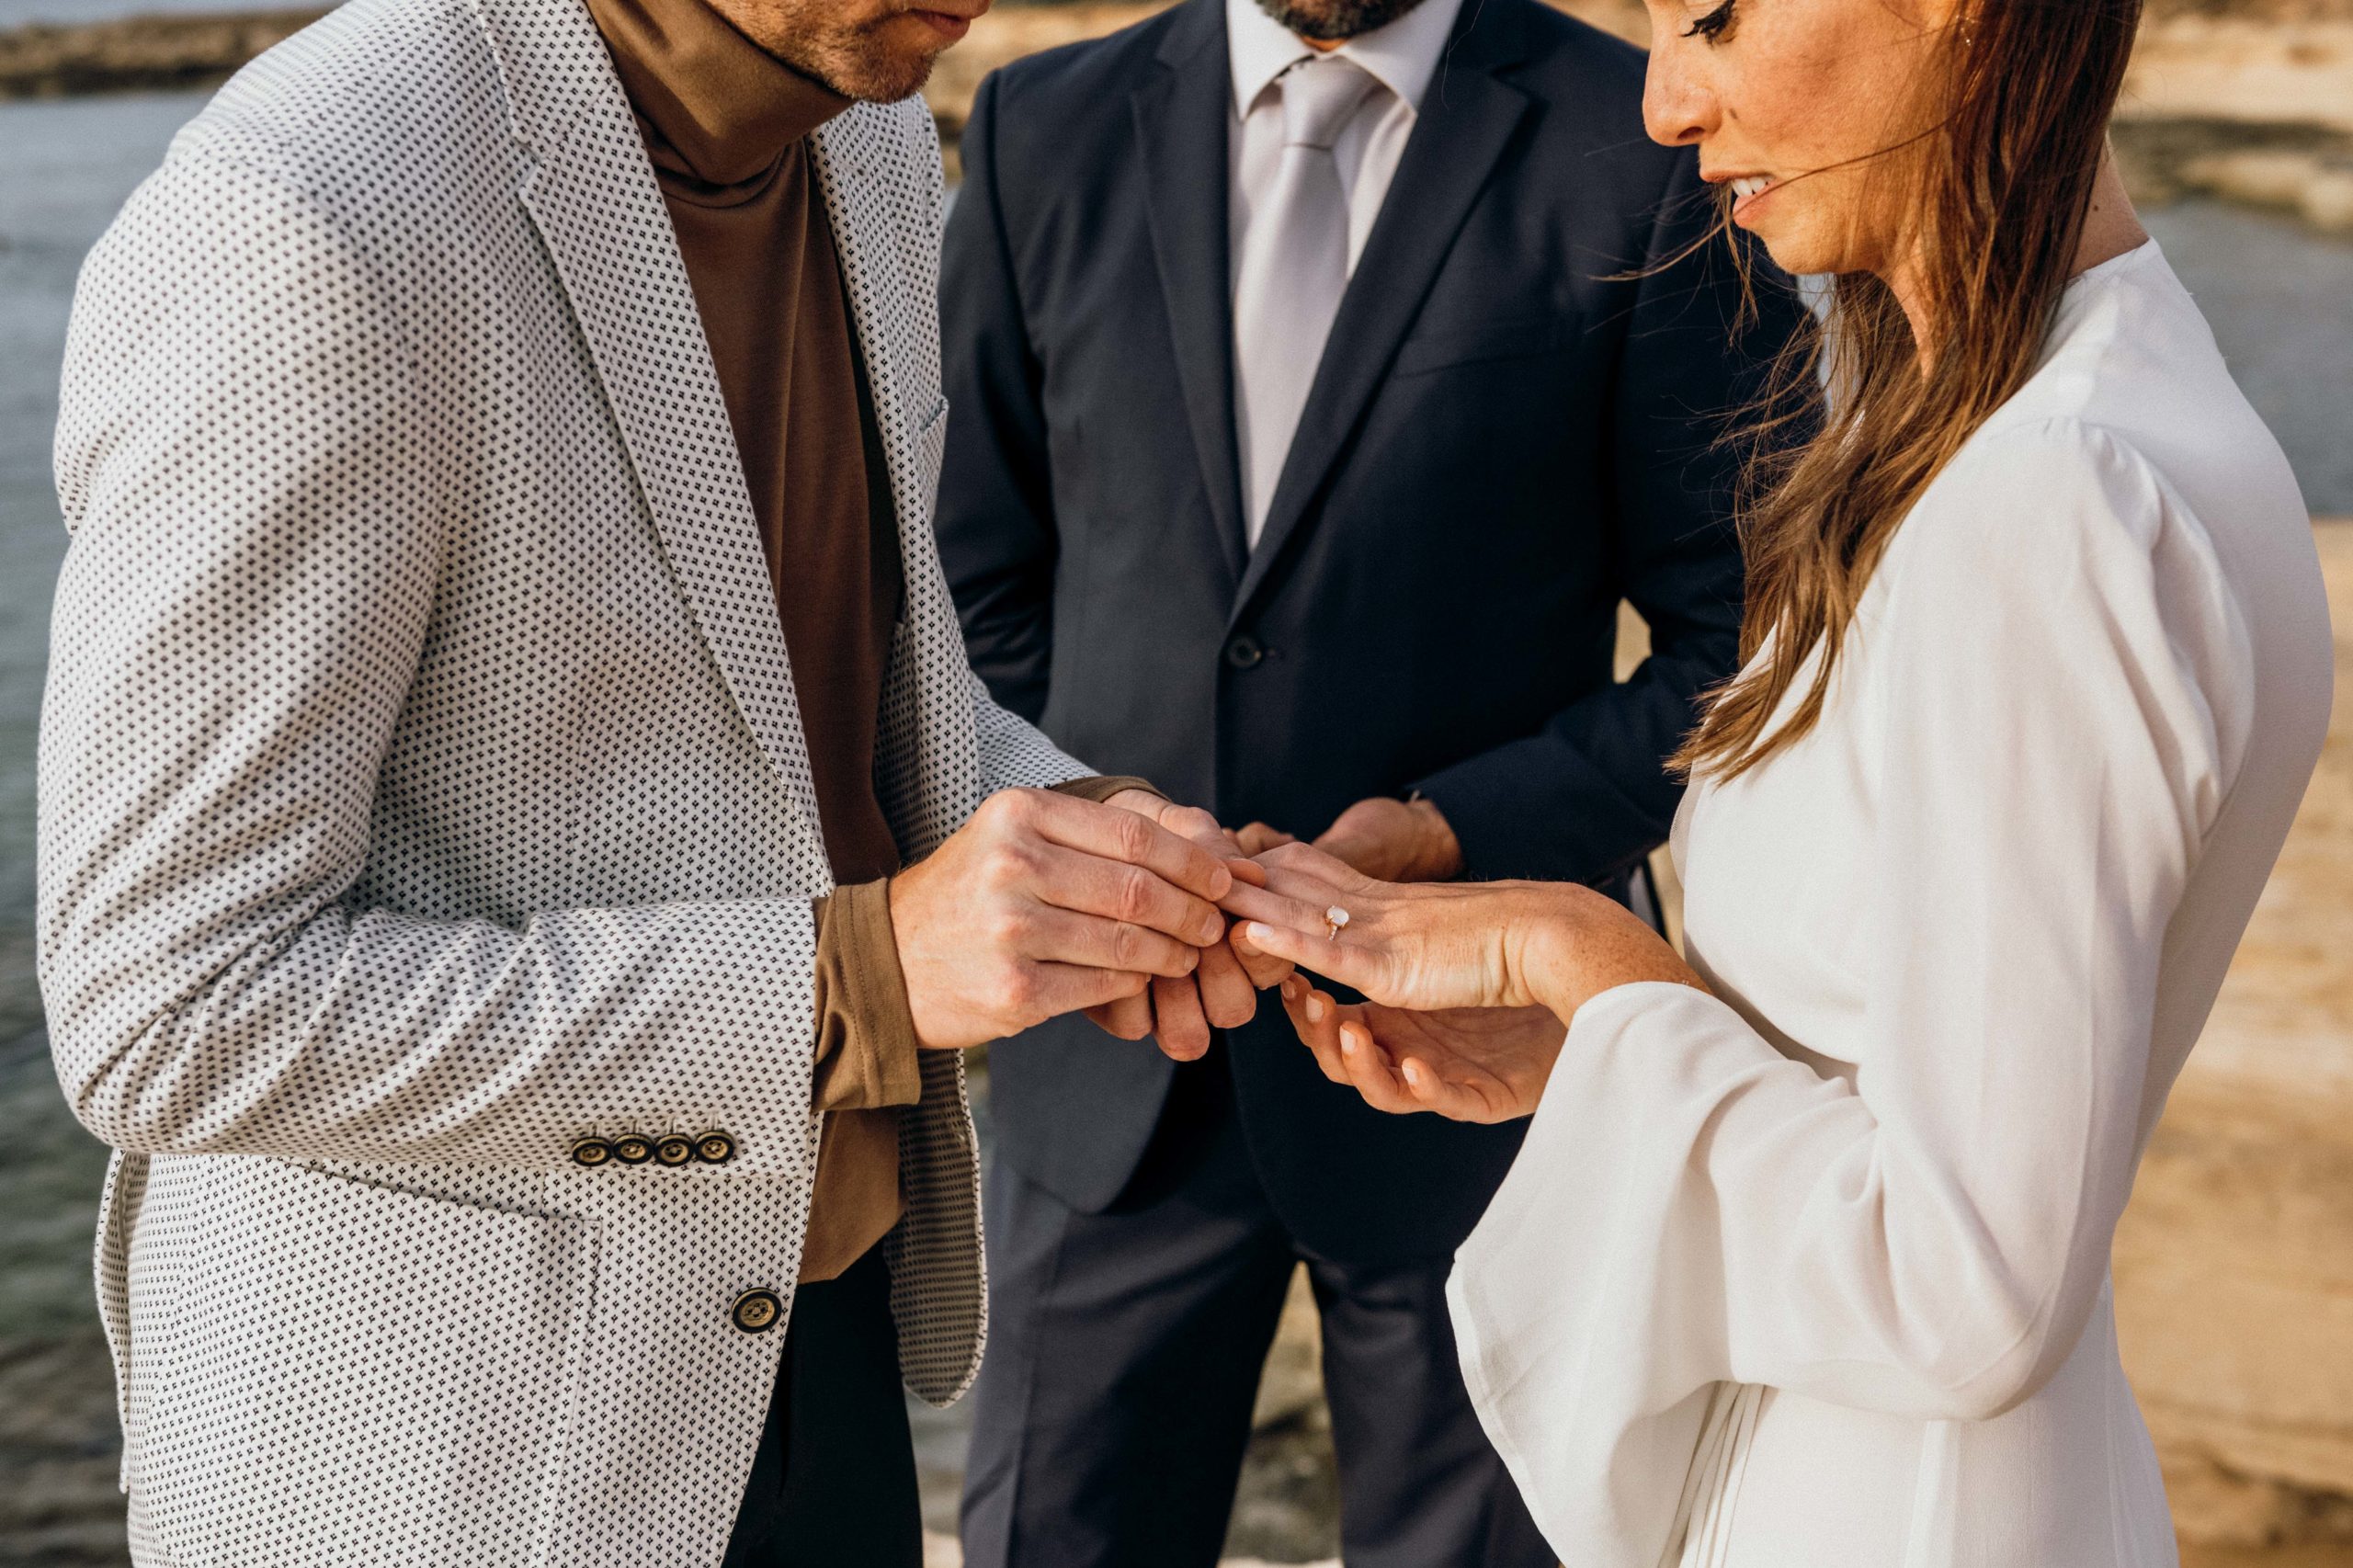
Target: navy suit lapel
column 1467, row 119
column 1181, row 118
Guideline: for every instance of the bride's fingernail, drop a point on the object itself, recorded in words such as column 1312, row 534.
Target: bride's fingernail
column 1347, row 1042
column 1316, row 1009
column 1256, row 931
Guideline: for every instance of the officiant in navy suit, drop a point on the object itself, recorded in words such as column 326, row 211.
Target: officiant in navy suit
column 1323, row 377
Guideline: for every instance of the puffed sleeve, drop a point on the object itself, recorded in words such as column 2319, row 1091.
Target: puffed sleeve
column 2050, row 693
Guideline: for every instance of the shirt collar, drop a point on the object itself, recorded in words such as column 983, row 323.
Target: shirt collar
column 725, row 107
column 1402, row 56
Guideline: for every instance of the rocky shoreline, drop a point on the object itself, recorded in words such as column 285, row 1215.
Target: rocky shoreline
column 138, row 53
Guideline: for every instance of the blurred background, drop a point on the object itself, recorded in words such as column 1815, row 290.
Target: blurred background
column 2235, row 1266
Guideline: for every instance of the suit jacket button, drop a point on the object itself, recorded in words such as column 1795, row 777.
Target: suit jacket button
column 1244, row 653
column 714, row 1148
column 632, row 1148
column 673, row 1149
column 756, row 1312
column 591, row 1151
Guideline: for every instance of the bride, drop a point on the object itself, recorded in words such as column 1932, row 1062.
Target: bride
column 1804, row 1262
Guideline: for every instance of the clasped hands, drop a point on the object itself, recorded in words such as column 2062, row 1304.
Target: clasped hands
column 1044, row 905
column 1149, row 917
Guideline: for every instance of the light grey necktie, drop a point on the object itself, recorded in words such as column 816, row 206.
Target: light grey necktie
column 1294, row 268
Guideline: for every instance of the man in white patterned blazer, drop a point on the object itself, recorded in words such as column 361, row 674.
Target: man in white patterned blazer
column 500, row 672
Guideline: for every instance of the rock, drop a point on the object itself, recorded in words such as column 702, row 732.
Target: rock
column 2316, row 186
column 138, row 52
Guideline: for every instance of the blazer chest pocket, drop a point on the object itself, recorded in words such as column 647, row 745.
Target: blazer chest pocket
column 1516, row 337
column 359, row 1375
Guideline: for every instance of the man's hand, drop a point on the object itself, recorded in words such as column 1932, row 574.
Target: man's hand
column 1394, row 841
column 1222, row 993
column 1042, row 905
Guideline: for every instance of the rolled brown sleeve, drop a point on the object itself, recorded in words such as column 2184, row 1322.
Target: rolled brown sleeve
column 865, row 1035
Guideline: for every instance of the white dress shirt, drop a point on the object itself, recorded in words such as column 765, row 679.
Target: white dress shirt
column 1401, row 58
column 1814, row 1271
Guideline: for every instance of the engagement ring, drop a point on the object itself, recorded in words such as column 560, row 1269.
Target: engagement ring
column 1335, row 919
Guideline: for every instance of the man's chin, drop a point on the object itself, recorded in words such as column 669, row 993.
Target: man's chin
column 883, row 64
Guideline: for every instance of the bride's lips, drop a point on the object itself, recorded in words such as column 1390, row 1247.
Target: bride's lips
column 1750, row 192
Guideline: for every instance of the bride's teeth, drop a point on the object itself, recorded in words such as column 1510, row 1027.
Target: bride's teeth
column 1744, row 189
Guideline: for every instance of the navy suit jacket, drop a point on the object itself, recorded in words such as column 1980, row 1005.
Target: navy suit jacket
column 1510, row 432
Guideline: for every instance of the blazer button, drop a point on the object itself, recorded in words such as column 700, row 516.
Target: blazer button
column 632, row 1148
column 1244, row 653
column 756, row 1312
column 714, row 1148
column 673, row 1149
column 591, row 1151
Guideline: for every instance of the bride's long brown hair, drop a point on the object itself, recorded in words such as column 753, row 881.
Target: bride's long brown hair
column 2002, row 185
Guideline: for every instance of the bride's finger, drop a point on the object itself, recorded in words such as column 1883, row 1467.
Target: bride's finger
column 1349, row 965
column 1316, row 1020
column 1276, row 906
column 1456, row 1102
column 1305, row 859
column 1369, row 1069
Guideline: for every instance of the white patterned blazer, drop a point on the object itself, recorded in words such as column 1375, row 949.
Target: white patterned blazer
column 423, row 793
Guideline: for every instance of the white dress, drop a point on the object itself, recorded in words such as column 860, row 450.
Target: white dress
column 1816, row 1275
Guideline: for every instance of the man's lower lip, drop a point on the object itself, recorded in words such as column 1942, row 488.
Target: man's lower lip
column 948, row 27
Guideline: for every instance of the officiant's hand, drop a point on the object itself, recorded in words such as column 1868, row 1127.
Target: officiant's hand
column 1397, row 841
column 1431, row 946
column 1224, row 992
column 1042, row 904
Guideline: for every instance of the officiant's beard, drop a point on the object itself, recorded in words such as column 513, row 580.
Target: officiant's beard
column 1333, row 20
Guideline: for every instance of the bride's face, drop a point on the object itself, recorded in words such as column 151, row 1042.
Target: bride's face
column 1809, row 105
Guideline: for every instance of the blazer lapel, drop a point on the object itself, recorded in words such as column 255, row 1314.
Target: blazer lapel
column 1468, row 117
column 866, row 161
column 1181, row 117
column 591, row 194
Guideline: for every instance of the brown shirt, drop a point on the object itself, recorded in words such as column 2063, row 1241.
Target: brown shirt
column 726, row 126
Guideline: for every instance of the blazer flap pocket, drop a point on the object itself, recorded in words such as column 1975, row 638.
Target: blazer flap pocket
column 1513, row 337
column 338, row 1350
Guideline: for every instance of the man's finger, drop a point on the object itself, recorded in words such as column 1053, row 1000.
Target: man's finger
column 1177, row 1021
column 1071, row 879
column 1257, row 838
column 1305, row 859
column 1228, row 998
column 1093, row 941
column 1061, row 988
column 1130, row 1017
column 1109, row 833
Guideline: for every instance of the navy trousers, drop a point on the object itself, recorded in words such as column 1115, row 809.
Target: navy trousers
column 1124, row 1352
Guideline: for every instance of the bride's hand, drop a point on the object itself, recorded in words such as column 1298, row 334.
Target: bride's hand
column 1465, row 1063
column 1441, row 945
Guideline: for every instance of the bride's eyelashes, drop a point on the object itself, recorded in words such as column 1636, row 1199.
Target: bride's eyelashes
column 1714, row 25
